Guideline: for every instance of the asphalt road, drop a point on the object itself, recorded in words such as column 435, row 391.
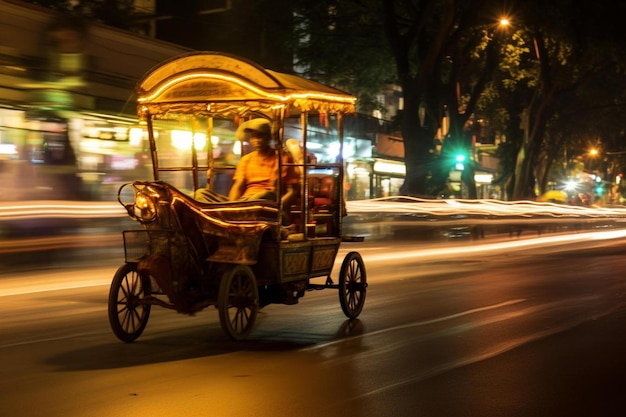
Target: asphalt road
column 500, row 328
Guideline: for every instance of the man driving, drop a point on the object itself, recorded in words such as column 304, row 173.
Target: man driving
column 256, row 175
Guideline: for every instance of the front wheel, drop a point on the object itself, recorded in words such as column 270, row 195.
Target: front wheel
column 352, row 285
column 128, row 316
column 238, row 301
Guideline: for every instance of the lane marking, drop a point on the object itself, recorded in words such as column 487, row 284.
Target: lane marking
column 416, row 324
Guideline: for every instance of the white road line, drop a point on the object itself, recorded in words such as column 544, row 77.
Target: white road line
column 415, row 324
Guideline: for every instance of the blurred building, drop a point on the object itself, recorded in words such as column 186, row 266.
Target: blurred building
column 67, row 105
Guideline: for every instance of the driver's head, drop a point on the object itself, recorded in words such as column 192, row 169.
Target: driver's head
column 258, row 132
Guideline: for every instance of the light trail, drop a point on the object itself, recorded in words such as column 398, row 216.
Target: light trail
column 453, row 251
column 48, row 243
column 416, row 207
column 486, row 208
column 59, row 209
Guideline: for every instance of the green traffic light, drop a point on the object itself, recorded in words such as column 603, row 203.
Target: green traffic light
column 460, row 162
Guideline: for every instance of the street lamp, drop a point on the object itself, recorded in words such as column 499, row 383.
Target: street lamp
column 593, row 153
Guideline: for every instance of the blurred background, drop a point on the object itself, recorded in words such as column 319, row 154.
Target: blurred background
column 68, row 130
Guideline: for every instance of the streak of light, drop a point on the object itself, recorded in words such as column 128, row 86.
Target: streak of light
column 454, row 251
column 29, row 283
column 491, row 208
column 65, row 242
column 60, row 209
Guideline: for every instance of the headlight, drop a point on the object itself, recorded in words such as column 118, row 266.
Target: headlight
column 144, row 208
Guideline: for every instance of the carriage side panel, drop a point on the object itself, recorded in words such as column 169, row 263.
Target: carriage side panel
column 287, row 261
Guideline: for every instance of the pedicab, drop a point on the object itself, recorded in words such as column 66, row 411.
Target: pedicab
column 238, row 256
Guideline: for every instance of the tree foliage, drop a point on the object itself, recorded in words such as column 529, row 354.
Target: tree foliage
column 568, row 56
column 341, row 43
column 445, row 53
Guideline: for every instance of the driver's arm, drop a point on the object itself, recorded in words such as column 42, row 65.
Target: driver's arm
column 237, row 190
column 288, row 196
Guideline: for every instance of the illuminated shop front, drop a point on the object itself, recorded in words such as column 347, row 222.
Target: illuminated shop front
column 65, row 155
column 388, row 177
column 37, row 160
column 388, row 169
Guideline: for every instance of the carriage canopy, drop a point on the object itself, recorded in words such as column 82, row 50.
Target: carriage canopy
column 216, row 84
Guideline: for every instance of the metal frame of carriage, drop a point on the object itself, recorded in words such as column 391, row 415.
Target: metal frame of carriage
column 236, row 256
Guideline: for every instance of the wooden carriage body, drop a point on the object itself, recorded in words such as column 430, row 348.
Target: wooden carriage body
column 211, row 85
column 236, row 255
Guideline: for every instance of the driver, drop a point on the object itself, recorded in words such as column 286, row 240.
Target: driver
column 256, row 174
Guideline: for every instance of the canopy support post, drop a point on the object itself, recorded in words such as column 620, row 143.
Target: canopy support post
column 153, row 149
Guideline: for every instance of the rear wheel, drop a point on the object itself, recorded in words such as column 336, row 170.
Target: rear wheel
column 352, row 285
column 238, row 301
column 127, row 315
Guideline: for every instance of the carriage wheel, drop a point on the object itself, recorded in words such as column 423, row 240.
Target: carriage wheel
column 352, row 285
column 127, row 316
column 238, row 301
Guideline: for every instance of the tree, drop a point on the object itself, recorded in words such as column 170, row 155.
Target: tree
column 551, row 82
column 341, row 43
column 445, row 53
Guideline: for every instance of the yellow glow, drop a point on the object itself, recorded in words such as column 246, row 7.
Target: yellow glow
column 491, row 209
column 389, row 167
column 97, row 145
column 451, row 252
column 181, row 139
column 46, row 209
column 250, row 87
column 135, row 136
column 93, row 132
column 121, row 133
column 483, row 178
column 206, row 213
column 8, row 149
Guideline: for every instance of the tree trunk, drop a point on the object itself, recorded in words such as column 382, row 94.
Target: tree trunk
column 467, row 176
column 418, row 141
column 535, row 123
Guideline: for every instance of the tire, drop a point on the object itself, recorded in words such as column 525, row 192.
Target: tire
column 127, row 316
column 238, row 301
column 352, row 285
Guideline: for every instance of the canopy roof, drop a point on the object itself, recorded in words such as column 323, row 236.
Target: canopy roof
column 218, row 84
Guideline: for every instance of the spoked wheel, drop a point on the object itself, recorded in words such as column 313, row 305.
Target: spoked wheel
column 238, row 301
column 127, row 316
column 352, row 285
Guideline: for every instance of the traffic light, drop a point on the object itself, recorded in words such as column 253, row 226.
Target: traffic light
column 460, row 162
column 600, row 189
